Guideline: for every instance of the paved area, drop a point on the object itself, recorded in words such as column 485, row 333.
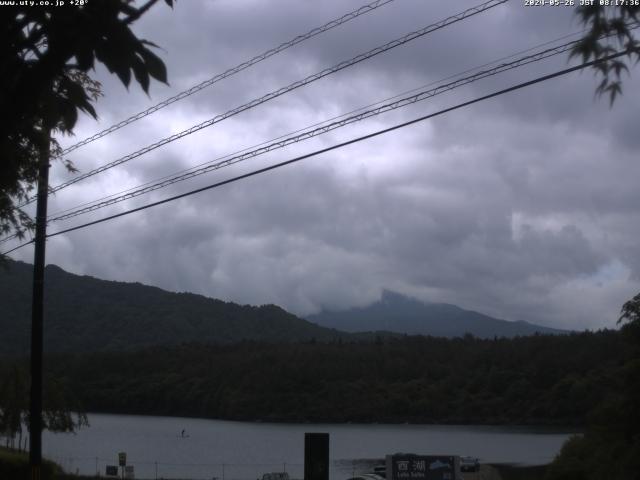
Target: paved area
column 487, row 472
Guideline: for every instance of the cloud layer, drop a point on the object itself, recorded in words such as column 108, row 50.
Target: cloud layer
column 523, row 207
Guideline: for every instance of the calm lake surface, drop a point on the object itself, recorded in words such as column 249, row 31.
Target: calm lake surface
column 243, row 451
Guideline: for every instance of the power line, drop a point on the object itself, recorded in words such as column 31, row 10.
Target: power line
column 235, row 157
column 10, row 237
column 403, row 102
column 133, row 191
column 334, row 147
column 300, row 83
column 232, row 71
column 16, row 248
column 631, row 25
column 359, row 109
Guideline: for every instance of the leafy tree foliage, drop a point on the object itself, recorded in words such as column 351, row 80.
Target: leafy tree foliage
column 631, row 310
column 610, row 30
column 610, row 446
column 46, row 56
column 630, row 318
column 59, row 404
column 528, row 380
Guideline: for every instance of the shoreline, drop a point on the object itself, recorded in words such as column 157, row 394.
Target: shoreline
column 16, row 461
column 563, row 428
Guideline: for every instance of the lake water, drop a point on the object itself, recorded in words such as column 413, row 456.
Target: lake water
column 243, row 451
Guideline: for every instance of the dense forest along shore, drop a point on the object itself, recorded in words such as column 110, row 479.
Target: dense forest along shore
column 537, row 380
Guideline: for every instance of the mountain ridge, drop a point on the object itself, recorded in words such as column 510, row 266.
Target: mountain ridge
column 400, row 314
column 84, row 313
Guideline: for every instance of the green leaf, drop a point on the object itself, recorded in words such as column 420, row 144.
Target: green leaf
column 85, row 59
column 151, row 44
column 155, row 66
column 90, row 110
column 69, row 114
column 104, row 54
column 140, row 73
column 619, row 67
column 78, row 96
column 614, row 89
column 111, row 56
column 602, row 87
column 124, row 74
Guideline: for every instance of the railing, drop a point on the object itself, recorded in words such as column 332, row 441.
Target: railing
column 162, row 470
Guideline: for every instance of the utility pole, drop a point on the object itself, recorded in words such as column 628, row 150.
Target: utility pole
column 37, row 308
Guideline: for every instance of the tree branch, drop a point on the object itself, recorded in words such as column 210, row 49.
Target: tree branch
column 138, row 12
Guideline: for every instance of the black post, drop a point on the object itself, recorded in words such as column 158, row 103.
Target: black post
column 35, row 408
column 316, row 456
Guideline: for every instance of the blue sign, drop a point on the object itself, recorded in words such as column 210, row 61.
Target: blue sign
column 421, row 467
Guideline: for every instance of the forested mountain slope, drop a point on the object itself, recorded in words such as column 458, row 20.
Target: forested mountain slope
column 87, row 314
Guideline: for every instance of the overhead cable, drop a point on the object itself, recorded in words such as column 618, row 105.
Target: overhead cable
column 402, row 102
column 255, row 150
column 342, row 115
column 270, row 96
column 519, row 86
column 232, row 71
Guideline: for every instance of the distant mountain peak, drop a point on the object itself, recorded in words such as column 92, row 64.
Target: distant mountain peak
column 395, row 298
column 398, row 313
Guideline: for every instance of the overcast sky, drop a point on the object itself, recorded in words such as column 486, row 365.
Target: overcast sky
column 524, row 207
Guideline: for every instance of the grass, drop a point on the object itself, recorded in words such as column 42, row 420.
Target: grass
column 14, row 465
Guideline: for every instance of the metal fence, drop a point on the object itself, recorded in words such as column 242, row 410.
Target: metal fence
column 159, row 470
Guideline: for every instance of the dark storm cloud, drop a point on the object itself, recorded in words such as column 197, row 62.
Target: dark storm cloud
column 522, row 207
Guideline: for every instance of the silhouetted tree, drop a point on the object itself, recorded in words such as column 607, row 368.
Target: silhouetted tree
column 610, row 446
column 46, row 56
column 631, row 310
column 59, row 403
column 610, row 30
